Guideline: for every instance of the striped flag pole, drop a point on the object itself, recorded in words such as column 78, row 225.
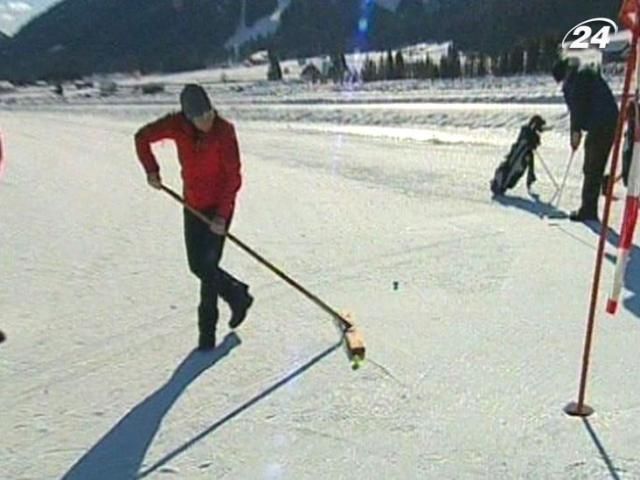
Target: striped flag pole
column 580, row 408
column 628, row 222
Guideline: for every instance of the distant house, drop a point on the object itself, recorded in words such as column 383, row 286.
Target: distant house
column 6, row 87
column 258, row 58
column 108, row 88
column 83, row 84
column 618, row 48
column 152, row 88
column 311, row 74
column 587, row 57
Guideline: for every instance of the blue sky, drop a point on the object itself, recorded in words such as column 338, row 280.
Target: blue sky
column 15, row 13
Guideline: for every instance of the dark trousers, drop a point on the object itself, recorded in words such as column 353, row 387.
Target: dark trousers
column 204, row 251
column 597, row 146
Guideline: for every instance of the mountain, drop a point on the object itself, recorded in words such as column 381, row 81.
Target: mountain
column 257, row 21
column 483, row 25
column 4, row 40
column 77, row 37
column 4, row 46
column 489, row 25
column 81, row 36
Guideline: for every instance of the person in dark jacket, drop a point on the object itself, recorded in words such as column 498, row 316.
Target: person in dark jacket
column 592, row 109
column 209, row 156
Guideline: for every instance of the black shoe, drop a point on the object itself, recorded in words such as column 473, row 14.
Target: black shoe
column 239, row 308
column 206, row 341
column 582, row 215
column 495, row 189
column 531, row 179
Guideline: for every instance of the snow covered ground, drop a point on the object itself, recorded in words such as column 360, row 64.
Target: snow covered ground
column 472, row 358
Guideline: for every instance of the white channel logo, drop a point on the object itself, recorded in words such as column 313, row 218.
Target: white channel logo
column 582, row 36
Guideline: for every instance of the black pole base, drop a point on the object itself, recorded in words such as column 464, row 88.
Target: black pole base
column 575, row 410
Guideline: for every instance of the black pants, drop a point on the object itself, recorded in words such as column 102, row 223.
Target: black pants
column 597, row 146
column 204, row 251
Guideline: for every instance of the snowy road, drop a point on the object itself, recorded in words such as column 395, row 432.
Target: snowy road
column 473, row 357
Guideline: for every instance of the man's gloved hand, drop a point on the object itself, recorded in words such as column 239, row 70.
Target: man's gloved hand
column 218, row 225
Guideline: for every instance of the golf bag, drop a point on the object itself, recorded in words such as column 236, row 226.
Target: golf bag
column 520, row 158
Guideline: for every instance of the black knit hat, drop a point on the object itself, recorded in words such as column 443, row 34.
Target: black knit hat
column 194, row 101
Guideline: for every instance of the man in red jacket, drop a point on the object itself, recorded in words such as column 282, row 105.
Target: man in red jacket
column 208, row 153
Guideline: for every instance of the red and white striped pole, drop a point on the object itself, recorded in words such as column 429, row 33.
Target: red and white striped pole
column 629, row 17
column 628, row 222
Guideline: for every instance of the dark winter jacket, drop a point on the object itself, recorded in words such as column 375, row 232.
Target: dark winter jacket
column 591, row 104
column 210, row 161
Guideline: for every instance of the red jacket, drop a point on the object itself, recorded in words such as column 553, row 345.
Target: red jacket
column 210, row 161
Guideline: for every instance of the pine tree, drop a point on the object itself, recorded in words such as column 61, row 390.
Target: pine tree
column 533, row 57
column 435, row 71
column 382, row 68
column 516, row 60
column 470, row 65
column 274, row 73
column 369, row 71
column 390, row 72
column 444, row 67
column 549, row 53
column 482, row 65
column 431, row 69
column 399, row 69
column 338, row 67
column 453, row 62
column 450, row 64
column 503, row 64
